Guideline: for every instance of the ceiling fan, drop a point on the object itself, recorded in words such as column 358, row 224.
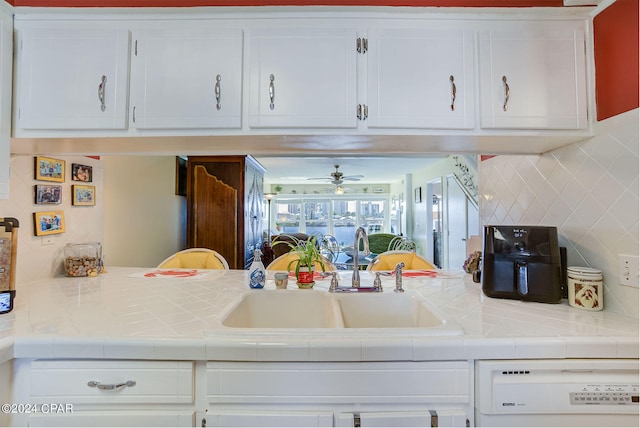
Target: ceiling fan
column 338, row 177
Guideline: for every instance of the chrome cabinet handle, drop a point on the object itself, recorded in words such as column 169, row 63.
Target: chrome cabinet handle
column 272, row 92
column 506, row 93
column 110, row 386
column 453, row 93
column 217, row 90
column 362, row 111
column 101, row 87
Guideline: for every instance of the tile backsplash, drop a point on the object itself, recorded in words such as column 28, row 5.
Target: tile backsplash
column 588, row 190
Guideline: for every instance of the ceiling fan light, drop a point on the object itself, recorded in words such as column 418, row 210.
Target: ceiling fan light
column 339, row 190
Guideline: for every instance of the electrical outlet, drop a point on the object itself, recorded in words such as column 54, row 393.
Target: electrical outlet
column 628, row 270
column 47, row 240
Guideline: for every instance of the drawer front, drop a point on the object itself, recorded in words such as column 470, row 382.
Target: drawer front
column 109, row 382
column 425, row 382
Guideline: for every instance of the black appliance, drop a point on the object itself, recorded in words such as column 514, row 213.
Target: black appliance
column 8, row 251
column 523, row 263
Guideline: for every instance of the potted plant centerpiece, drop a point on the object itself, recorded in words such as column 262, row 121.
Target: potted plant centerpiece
column 306, row 254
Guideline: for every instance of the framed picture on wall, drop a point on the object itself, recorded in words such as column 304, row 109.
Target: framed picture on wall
column 418, row 196
column 83, row 195
column 81, row 173
column 48, row 194
column 48, row 222
column 49, row 169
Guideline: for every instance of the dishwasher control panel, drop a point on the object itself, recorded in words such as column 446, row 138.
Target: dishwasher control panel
column 624, row 394
column 558, row 386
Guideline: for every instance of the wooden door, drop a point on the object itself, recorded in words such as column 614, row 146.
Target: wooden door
column 224, row 206
column 215, row 215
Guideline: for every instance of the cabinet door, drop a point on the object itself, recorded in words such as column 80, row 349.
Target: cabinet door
column 73, row 79
column 532, row 76
column 187, row 79
column 6, row 65
column 420, row 78
column 303, row 78
column 427, row 418
column 264, row 418
column 111, row 418
column 253, row 213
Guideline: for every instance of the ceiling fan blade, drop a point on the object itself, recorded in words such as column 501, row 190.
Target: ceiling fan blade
column 320, row 178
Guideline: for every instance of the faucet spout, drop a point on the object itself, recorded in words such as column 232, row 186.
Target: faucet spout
column 361, row 234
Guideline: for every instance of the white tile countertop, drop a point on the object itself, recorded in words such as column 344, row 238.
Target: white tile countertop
column 124, row 315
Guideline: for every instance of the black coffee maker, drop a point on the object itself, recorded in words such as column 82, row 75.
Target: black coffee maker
column 522, row 262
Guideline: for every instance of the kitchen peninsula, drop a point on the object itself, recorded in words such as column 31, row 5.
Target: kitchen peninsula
column 63, row 329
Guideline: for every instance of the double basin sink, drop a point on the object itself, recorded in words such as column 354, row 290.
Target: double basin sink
column 292, row 311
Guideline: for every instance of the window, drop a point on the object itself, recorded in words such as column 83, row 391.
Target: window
column 338, row 217
column 344, row 220
column 371, row 216
column 316, row 217
column 287, row 216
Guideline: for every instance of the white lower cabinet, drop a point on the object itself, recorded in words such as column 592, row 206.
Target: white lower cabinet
column 109, row 419
column 338, row 394
column 105, row 393
column 424, row 418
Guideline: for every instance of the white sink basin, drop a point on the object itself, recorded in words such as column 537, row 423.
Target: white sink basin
column 284, row 309
column 387, row 310
column 298, row 311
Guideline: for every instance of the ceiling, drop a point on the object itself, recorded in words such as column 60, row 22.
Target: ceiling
column 376, row 170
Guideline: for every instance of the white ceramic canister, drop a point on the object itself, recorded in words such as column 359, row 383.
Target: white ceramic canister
column 585, row 290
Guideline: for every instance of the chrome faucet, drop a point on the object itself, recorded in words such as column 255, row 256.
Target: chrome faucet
column 360, row 234
column 398, row 274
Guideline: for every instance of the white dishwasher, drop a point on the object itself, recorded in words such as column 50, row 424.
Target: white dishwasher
column 573, row 392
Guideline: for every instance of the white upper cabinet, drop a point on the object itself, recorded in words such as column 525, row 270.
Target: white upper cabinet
column 420, row 78
column 532, row 75
column 73, row 78
column 187, row 79
column 6, row 64
column 302, row 78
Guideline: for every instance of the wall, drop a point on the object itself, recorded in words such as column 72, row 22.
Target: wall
column 82, row 223
column 589, row 190
column 615, row 33
column 420, row 229
column 145, row 221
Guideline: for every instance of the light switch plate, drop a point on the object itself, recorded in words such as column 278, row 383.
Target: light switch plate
column 628, row 270
column 47, row 240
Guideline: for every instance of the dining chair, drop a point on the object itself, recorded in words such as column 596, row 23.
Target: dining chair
column 389, row 259
column 196, row 258
column 284, row 263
